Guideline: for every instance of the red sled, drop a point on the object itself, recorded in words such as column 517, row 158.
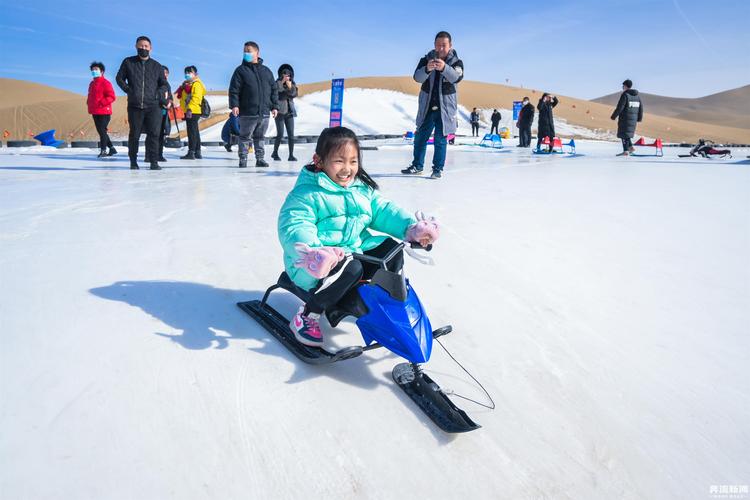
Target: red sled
column 656, row 144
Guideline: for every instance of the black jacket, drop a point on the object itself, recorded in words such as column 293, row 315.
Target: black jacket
column 546, row 126
column 629, row 112
column 253, row 89
column 474, row 117
column 526, row 116
column 496, row 117
column 143, row 82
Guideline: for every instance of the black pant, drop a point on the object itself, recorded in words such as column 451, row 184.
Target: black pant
column 148, row 121
column 524, row 136
column 194, row 134
column 494, row 130
column 627, row 143
column 352, row 272
column 166, row 129
column 474, row 128
column 101, row 122
column 282, row 121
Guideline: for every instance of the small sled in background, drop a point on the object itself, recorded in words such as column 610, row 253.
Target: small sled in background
column 491, row 141
column 705, row 149
column 389, row 314
column 555, row 146
column 657, row 144
column 47, row 138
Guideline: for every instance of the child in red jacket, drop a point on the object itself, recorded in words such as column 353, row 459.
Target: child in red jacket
column 100, row 99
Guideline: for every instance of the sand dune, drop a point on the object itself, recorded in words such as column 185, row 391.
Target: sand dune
column 576, row 111
column 730, row 108
column 27, row 106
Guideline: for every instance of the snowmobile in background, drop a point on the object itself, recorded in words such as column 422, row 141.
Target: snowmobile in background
column 705, row 149
column 389, row 314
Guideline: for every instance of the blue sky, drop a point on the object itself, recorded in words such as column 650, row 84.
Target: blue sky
column 579, row 48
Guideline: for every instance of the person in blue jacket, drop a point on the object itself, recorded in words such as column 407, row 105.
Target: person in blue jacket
column 230, row 129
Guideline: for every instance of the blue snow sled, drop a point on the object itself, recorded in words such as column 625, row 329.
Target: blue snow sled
column 491, row 141
column 48, row 139
column 388, row 314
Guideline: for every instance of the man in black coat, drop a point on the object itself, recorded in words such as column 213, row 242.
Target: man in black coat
column 253, row 94
column 495, row 120
column 546, row 125
column 629, row 112
column 525, row 119
column 142, row 79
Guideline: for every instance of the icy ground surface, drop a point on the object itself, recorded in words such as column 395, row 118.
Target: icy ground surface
column 604, row 302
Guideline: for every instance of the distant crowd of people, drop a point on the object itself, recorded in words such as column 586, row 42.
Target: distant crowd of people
column 255, row 96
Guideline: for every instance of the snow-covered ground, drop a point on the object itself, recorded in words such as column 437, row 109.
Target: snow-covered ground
column 604, row 302
column 379, row 111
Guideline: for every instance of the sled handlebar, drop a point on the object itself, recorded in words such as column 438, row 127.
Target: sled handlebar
column 382, row 261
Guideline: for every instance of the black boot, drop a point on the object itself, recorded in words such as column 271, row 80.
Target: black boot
column 161, row 158
column 198, row 155
column 134, row 165
column 261, row 163
column 228, row 147
column 102, row 154
column 189, row 156
column 154, row 166
column 112, row 151
column 243, row 161
column 275, row 156
column 292, row 158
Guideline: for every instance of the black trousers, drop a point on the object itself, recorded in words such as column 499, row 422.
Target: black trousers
column 144, row 121
column 194, row 134
column 101, row 122
column 524, row 136
column 326, row 294
column 166, row 129
column 282, row 121
column 474, row 129
column 627, row 143
column 494, row 130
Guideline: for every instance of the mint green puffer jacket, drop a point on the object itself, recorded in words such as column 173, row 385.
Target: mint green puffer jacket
column 319, row 212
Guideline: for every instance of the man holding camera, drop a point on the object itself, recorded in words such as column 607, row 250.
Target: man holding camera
column 439, row 73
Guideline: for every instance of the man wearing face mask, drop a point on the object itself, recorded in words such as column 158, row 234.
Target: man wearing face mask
column 253, row 94
column 439, row 73
column 142, row 79
column 525, row 119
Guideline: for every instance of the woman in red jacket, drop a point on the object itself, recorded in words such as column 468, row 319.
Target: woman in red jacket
column 101, row 97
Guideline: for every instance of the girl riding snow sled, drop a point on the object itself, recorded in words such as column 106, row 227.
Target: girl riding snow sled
column 328, row 216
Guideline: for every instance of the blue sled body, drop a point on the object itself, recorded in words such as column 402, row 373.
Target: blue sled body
column 400, row 326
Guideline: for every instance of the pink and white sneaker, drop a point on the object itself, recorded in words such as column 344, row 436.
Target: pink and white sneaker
column 306, row 328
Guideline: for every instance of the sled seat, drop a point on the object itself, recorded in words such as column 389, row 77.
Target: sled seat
column 350, row 305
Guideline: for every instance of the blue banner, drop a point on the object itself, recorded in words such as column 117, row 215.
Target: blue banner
column 337, row 102
column 517, row 105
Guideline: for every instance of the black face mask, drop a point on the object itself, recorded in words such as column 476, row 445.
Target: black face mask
column 143, row 52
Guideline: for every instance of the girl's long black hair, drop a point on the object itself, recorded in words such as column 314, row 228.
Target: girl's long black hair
column 333, row 138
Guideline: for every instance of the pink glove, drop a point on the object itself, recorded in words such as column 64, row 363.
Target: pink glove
column 425, row 231
column 318, row 261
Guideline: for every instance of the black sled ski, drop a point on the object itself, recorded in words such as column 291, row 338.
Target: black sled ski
column 431, row 399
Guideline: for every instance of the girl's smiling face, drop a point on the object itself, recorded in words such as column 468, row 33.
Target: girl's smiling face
column 341, row 165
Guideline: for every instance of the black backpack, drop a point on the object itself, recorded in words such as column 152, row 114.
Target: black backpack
column 205, row 108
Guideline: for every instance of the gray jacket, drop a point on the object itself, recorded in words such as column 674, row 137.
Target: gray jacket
column 447, row 81
column 286, row 98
